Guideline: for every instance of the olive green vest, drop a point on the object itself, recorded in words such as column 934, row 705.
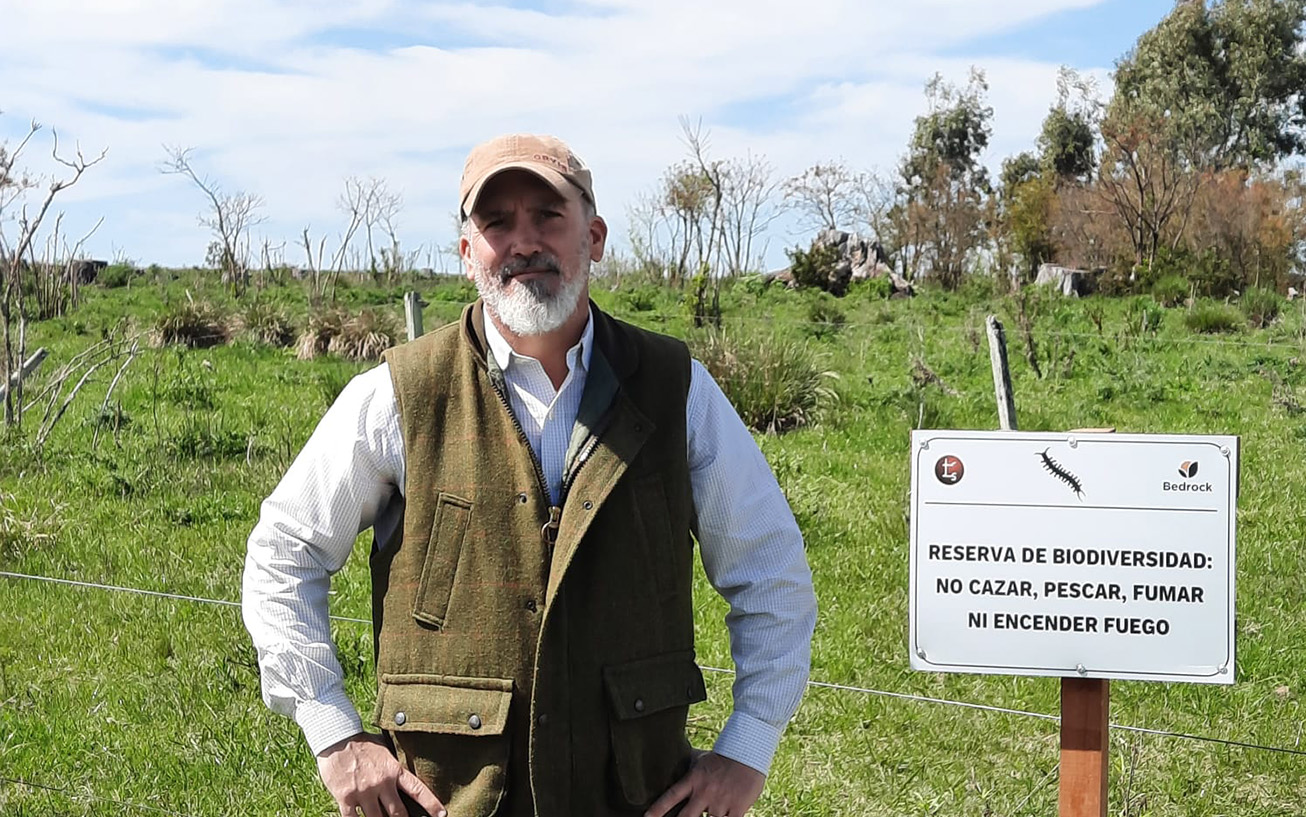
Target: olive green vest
column 535, row 659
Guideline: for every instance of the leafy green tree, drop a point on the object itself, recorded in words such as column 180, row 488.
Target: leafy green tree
column 944, row 185
column 1067, row 142
column 1025, row 212
column 1230, row 77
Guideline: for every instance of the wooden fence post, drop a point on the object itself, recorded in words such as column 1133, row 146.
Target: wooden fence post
column 413, row 315
column 1001, row 374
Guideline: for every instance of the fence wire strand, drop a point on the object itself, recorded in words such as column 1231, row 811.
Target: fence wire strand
column 904, row 696
column 88, row 798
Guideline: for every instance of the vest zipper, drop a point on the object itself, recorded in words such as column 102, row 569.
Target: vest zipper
column 521, row 435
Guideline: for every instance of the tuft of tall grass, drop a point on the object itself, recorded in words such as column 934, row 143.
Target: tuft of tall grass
column 825, row 318
column 194, row 324
column 321, row 327
column 265, row 323
column 1171, row 290
column 1261, row 306
column 1213, row 317
column 365, row 336
column 775, row 384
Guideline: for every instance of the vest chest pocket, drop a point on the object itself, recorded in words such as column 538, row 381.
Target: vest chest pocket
column 649, row 701
column 448, row 530
column 452, row 733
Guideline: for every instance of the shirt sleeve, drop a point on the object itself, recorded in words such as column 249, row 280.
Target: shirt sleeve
column 345, row 476
column 753, row 555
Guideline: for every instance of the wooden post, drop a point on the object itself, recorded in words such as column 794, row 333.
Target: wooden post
column 1001, row 374
column 1085, row 702
column 24, row 371
column 413, row 315
column 1085, row 705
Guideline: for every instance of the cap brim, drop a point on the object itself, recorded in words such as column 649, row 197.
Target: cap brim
column 560, row 183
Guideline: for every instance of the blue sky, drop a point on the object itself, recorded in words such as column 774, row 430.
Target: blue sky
column 285, row 99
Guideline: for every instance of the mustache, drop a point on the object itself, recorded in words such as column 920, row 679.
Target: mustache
column 537, row 261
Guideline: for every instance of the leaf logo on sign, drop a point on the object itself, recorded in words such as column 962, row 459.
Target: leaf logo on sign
column 1188, row 470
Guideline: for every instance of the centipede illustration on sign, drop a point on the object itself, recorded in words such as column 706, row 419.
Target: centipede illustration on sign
column 1059, row 471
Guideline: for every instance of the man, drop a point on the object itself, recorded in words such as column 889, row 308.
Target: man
column 533, row 474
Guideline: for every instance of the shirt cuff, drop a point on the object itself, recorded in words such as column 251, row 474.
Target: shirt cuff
column 749, row 741
column 327, row 721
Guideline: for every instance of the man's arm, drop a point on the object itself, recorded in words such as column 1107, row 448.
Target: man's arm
column 342, row 483
column 753, row 555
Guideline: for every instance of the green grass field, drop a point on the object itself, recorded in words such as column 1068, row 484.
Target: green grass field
column 113, row 703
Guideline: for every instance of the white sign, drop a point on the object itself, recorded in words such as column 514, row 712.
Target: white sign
column 1080, row 554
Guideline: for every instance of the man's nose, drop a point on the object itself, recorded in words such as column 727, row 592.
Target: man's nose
column 526, row 238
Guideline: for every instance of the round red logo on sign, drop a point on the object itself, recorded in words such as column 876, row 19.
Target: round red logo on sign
column 949, row 470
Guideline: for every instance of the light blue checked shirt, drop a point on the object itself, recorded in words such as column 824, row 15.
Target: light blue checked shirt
column 352, row 468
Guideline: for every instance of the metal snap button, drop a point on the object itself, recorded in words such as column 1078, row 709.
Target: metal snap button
column 639, row 704
column 521, row 498
column 474, row 721
column 531, row 605
column 587, row 505
column 400, row 719
column 542, row 720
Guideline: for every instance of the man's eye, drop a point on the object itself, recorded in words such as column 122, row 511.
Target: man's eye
column 494, row 222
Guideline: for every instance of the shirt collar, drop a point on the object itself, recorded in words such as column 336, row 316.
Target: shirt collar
column 504, row 354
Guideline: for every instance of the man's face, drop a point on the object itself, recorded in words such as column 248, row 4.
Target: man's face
column 529, row 251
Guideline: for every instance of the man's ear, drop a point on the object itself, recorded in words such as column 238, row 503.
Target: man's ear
column 465, row 252
column 598, row 238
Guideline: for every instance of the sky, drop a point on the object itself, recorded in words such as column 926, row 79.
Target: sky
column 285, row 99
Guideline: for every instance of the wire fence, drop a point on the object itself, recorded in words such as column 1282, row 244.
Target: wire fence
column 903, row 696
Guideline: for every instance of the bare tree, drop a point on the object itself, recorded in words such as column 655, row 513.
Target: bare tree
column 25, row 280
column 1147, row 182
column 825, row 195
column 706, row 214
column 373, row 207
column 230, row 217
column 748, row 209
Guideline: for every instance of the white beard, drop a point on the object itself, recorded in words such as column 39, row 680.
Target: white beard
column 529, row 308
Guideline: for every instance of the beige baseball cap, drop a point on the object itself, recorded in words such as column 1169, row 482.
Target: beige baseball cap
column 546, row 156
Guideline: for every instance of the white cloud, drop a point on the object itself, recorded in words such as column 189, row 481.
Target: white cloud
column 275, row 109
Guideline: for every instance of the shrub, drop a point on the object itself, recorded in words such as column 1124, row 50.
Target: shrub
column 263, row 322
column 1143, row 316
column 812, row 268
column 196, row 325
column 1211, row 317
column 640, row 297
column 774, row 383
column 1170, row 291
column 1261, row 306
column 824, row 317
column 879, row 288
column 365, row 336
column 115, row 276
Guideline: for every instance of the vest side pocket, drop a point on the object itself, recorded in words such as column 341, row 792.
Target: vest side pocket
column 431, row 603
column 649, row 701
column 452, row 732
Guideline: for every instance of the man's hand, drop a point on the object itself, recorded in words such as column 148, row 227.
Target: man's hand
column 714, row 785
column 361, row 773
